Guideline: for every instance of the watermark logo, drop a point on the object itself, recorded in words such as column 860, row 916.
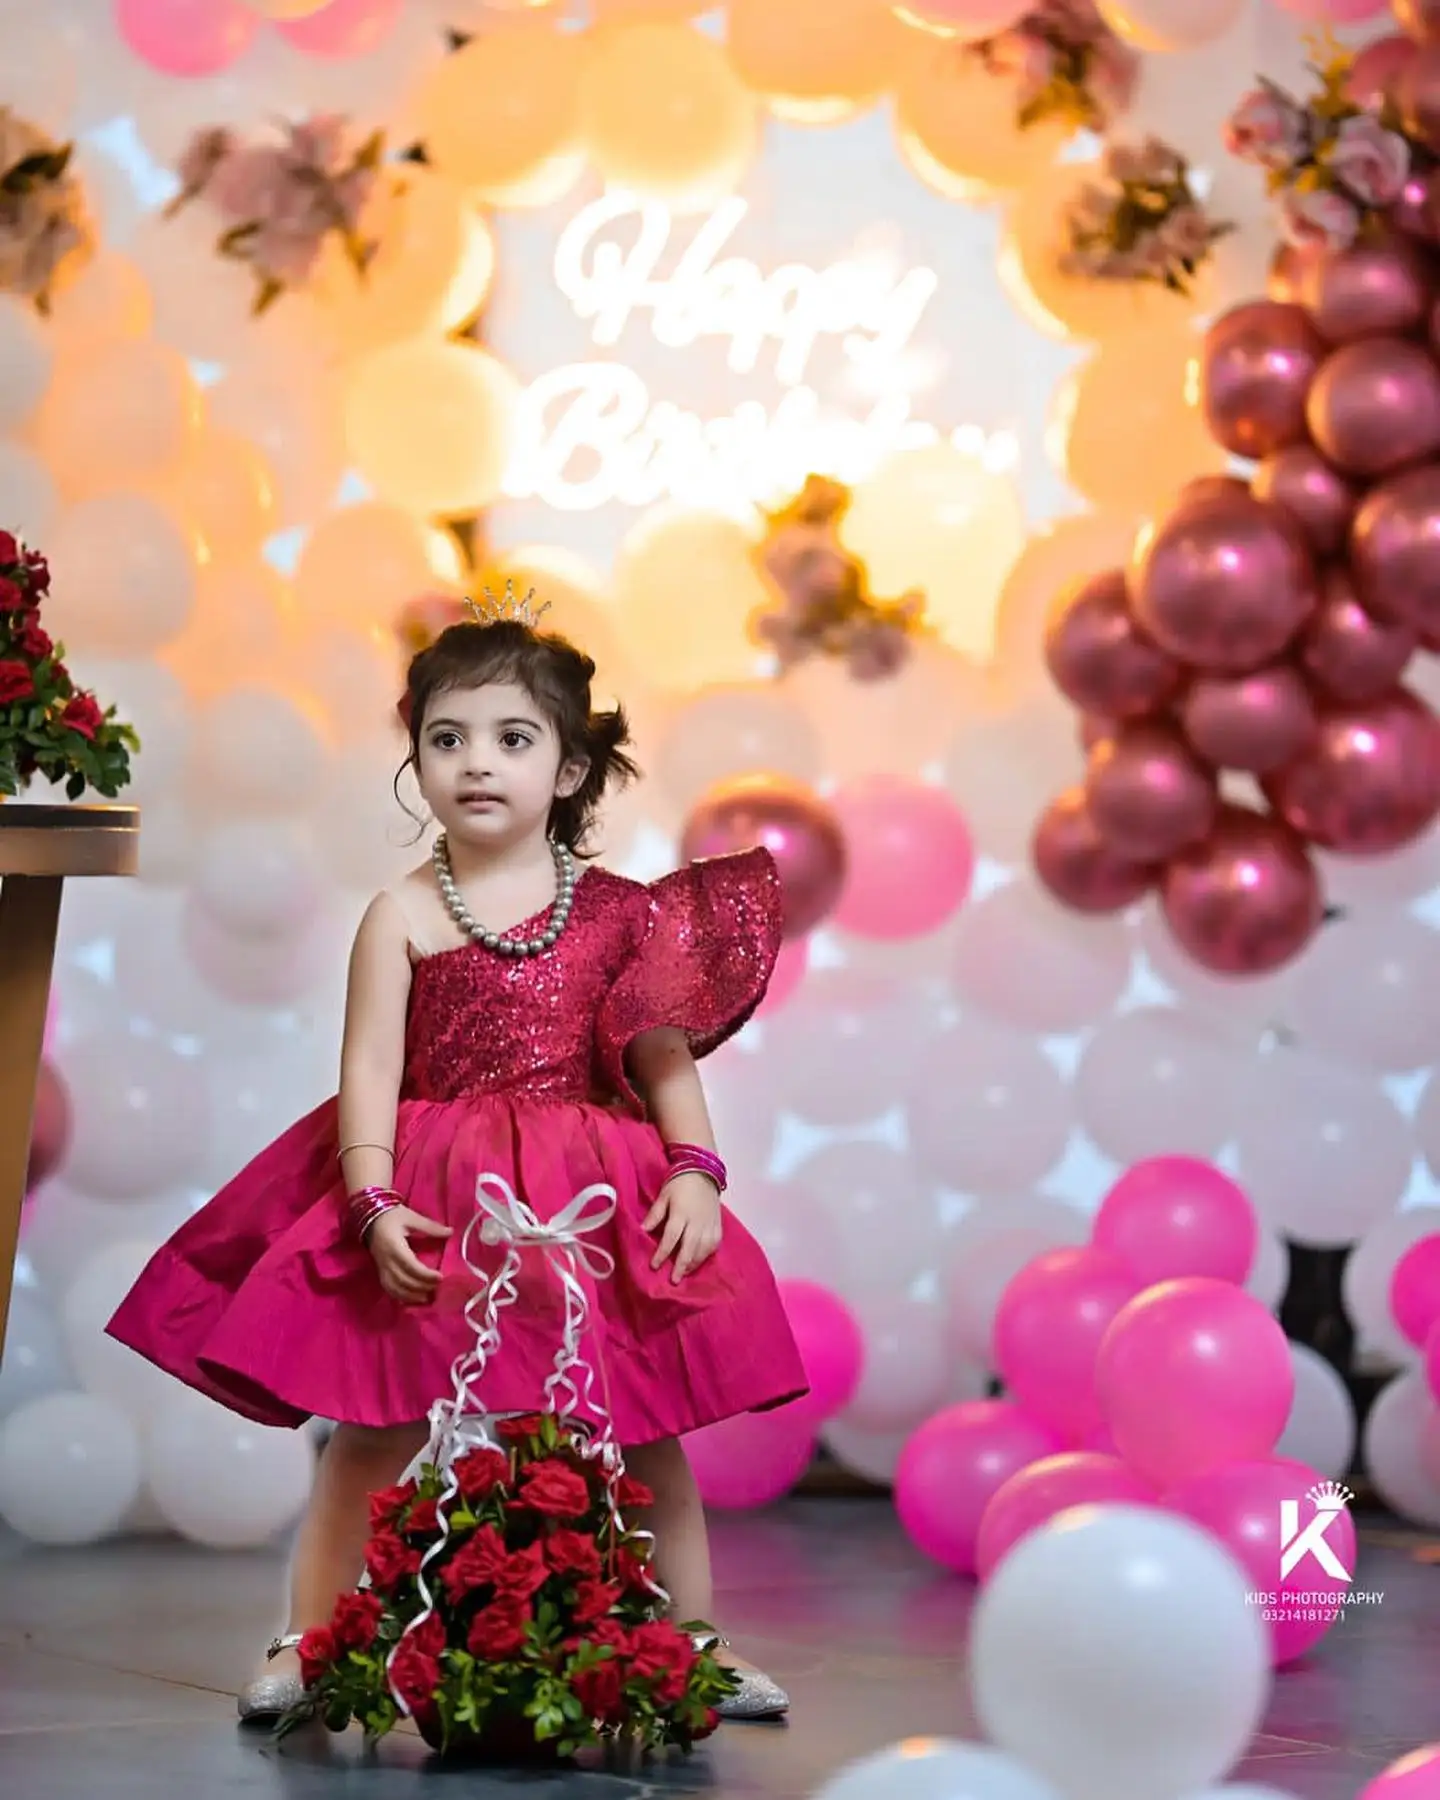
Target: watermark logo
column 1311, row 1539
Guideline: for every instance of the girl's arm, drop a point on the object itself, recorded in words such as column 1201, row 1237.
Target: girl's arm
column 372, row 1054
column 688, row 1205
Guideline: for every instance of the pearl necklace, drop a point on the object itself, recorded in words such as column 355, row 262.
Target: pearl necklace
column 493, row 940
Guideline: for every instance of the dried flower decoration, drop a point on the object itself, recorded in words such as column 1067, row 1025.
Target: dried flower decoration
column 1141, row 221
column 1333, row 164
column 823, row 604
column 1066, row 64
column 45, row 230
column 283, row 195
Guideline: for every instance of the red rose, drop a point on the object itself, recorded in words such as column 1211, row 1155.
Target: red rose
column 516, row 1431
column 481, row 1472
column 601, row 1691
column 356, row 1621
column 9, row 548
column 423, row 1516
column 711, row 1725
column 317, row 1651
column 572, row 1553
column 387, row 1506
column 632, row 1572
column 478, row 1562
column 33, row 640
column 593, row 1599
column 15, row 682
column 13, row 598
column 429, row 1635
column 524, row 1572
column 84, row 714
column 658, row 1651
column 632, row 1495
column 415, row 1675
column 388, row 1561
column 498, row 1631
column 553, row 1490
column 38, row 571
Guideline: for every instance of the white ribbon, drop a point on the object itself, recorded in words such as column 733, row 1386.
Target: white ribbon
column 461, row 1423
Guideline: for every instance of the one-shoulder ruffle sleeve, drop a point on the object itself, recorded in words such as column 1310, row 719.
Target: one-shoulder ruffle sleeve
column 710, row 939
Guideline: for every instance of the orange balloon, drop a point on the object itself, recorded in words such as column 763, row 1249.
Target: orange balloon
column 503, row 105
column 815, row 61
column 964, row 121
column 664, row 114
column 287, row 9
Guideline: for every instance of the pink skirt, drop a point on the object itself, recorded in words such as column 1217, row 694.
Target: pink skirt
column 265, row 1301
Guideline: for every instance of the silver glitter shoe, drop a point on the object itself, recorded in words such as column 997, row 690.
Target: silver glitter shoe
column 270, row 1697
column 757, row 1697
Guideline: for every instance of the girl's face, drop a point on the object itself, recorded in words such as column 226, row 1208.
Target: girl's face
column 489, row 764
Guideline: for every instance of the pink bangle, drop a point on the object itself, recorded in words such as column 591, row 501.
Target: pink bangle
column 694, row 1159
column 369, row 1204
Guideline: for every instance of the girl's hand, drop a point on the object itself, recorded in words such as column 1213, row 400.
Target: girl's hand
column 689, row 1209
column 402, row 1274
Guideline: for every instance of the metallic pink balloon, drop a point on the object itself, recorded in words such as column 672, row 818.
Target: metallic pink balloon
column 1370, row 781
column 1415, row 212
column 1349, row 653
column 1211, row 487
column 1076, row 864
column 1149, row 794
column 1287, row 271
column 1418, row 19
column 1372, row 76
column 1247, row 900
column 1300, row 482
column 1395, row 549
column 1094, row 729
column 1417, row 95
column 1225, row 584
column 1255, row 370
column 1376, row 288
column 1099, row 657
column 1375, row 406
column 1255, row 722
column 792, row 823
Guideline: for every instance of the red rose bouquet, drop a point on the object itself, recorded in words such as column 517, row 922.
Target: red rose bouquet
column 48, row 726
column 519, row 1611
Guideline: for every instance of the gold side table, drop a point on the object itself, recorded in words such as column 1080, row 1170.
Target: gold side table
column 39, row 847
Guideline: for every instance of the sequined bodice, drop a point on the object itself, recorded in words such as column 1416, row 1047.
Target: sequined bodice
column 482, row 1023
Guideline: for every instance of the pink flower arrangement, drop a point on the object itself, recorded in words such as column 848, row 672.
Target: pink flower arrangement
column 45, row 231
column 822, row 604
column 282, row 196
column 1141, row 221
column 1065, row 63
column 1331, row 163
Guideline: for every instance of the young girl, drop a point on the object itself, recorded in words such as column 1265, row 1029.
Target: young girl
column 553, row 1044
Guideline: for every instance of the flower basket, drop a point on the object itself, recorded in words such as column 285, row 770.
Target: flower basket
column 509, row 1610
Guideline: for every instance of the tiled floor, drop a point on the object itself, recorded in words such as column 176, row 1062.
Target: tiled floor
column 117, row 1667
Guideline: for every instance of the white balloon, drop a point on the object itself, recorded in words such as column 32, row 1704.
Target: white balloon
column 124, row 410
column 29, row 499
column 1270, row 1272
column 1170, row 25
column 936, row 1769
column 108, row 299
column 1156, row 1082
column 1427, row 1122
column 1027, row 962
column 909, row 1373
column 109, row 1370
column 68, row 1231
column 849, row 1047
column 69, row 1469
column 258, row 878
column 123, row 569
column 222, row 1481
column 740, row 729
column 148, row 696
column 1115, row 1653
column 34, row 1362
column 1324, row 1153
column 1393, row 1449
column 1320, row 1431
column 796, row 1233
column 141, row 1120
column 882, row 1212
column 1353, row 998
column 257, row 750
column 1003, row 769
column 1365, row 1282
column 873, row 1454
column 983, row 1266
column 994, row 1114
column 1241, row 1008
column 1242, row 1790
column 26, row 359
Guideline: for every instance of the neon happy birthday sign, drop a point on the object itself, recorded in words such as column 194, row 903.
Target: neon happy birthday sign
column 591, row 434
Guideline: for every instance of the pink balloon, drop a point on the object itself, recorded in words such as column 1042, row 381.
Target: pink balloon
column 793, row 823
column 1287, row 270
column 187, row 37
column 1349, row 653
column 1373, row 73
column 1048, row 1329
column 1225, row 584
column 958, row 18
column 790, row 967
column 1418, row 19
column 910, row 857
column 1149, row 794
column 1371, row 780
column 344, row 27
column 1301, row 483
column 1098, row 656
column 753, row 1459
column 1395, row 549
column 1240, row 1505
column 1375, row 406
column 1415, row 1289
column 1414, row 1776
column 1193, row 1374
column 954, row 1465
column 1078, row 865
column 50, row 1127
column 1247, row 900
column 831, row 1343
column 1101, row 1442
column 1173, row 1216
column 1417, row 91
column 1034, row 1496
column 1256, row 368
column 1256, row 722
column 1333, row 12
column 1376, row 288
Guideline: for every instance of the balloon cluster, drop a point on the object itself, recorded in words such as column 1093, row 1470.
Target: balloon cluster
column 1262, row 629
column 1137, row 1370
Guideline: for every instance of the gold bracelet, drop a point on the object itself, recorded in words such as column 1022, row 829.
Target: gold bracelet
column 345, row 1150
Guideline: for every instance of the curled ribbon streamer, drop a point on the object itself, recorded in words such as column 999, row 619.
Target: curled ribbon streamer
column 460, row 1423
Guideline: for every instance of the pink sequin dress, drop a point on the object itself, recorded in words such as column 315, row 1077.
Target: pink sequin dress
column 266, row 1302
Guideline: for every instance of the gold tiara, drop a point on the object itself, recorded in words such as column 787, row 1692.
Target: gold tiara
column 508, row 608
